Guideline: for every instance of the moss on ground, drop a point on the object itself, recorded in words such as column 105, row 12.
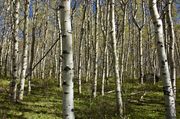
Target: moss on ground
column 45, row 101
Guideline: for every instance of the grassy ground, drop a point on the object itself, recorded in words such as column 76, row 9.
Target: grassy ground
column 45, row 102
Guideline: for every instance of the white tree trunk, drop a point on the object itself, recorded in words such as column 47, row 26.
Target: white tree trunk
column 68, row 73
column 60, row 50
column 80, row 48
column 116, row 62
column 172, row 44
column 13, row 88
column 25, row 50
column 165, row 75
column 96, row 50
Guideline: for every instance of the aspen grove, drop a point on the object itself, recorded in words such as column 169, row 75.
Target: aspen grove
column 89, row 59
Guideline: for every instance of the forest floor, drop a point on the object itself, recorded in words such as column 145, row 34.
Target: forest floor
column 45, row 102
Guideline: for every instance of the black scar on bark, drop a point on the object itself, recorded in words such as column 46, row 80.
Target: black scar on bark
column 72, row 110
column 165, row 90
column 67, row 68
column 158, row 25
column 66, row 93
column 163, row 73
column 64, row 36
column 65, row 52
column 163, row 62
column 64, row 83
column 61, row 7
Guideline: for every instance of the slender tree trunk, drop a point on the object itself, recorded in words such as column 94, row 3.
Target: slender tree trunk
column 141, row 57
column 105, row 30
column 96, row 33
column 80, row 48
column 68, row 73
column 60, row 50
column 88, row 51
column 32, row 48
column 116, row 62
column 123, row 43
column 25, row 51
column 165, row 75
column 140, row 27
column 13, row 86
column 171, row 48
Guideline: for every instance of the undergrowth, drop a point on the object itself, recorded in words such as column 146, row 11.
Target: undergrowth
column 45, row 101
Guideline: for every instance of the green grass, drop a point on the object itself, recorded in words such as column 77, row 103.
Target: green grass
column 45, row 101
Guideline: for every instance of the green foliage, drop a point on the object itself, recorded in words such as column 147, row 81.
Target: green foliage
column 45, row 102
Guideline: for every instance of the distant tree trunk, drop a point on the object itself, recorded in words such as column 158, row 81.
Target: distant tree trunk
column 96, row 33
column 116, row 62
column 80, row 47
column 60, row 50
column 13, row 86
column 88, row 48
column 6, row 61
column 32, row 47
column 25, row 50
column 140, row 27
column 1, row 56
column 165, row 75
column 172, row 45
column 124, row 6
column 105, row 32
column 68, row 66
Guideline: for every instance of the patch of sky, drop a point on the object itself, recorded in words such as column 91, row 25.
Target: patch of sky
column 178, row 9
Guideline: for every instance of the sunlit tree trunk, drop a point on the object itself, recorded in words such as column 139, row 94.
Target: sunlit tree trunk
column 80, row 47
column 60, row 50
column 124, row 6
column 68, row 66
column 105, row 32
column 140, row 28
column 25, row 50
column 119, row 103
column 13, row 86
column 165, row 75
column 88, row 47
column 96, row 33
column 172, row 44
column 32, row 47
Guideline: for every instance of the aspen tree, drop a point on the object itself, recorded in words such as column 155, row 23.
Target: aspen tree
column 172, row 44
column 25, row 50
column 119, row 102
column 140, row 27
column 80, row 47
column 13, row 86
column 60, row 50
column 105, row 30
column 32, row 46
column 124, row 8
column 165, row 75
column 96, row 33
column 68, row 66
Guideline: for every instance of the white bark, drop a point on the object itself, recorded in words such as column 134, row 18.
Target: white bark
column 80, row 49
column 25, row 51
column 116, row 62
column 60, row 50
column 13, row 87
column 172, row 46
column 96, row 50
column 165, row 75
column 68, row 73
